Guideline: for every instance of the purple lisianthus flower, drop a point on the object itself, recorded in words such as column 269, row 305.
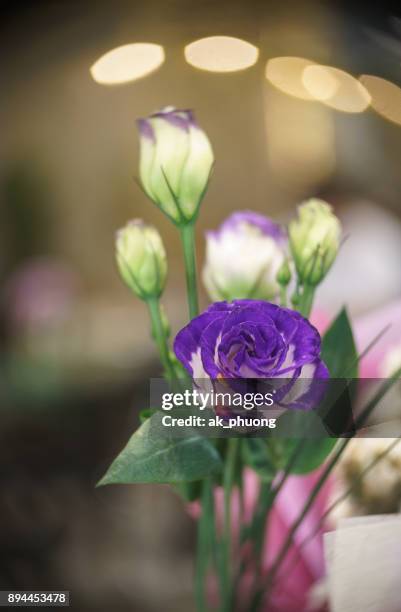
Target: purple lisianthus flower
column 253, row 339
column 243, row 257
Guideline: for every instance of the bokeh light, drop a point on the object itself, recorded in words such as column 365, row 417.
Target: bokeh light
column 320, row 82
column 336, row 88
column 386, row 97
column 221, row 54
column 127, row 63
column 286, row 73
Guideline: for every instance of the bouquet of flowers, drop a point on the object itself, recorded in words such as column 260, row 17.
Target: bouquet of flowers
column 262, row 278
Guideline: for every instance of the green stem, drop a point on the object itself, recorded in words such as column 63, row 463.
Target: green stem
column 316, row 490
column 260, row 524
column 205, row 544
column 160, row 337
column 259, row 547
column 188, row 243
column 283, row 295
column 305, row 306
column 228, row 483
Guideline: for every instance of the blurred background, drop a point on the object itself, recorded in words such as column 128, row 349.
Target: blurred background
column 315, row 111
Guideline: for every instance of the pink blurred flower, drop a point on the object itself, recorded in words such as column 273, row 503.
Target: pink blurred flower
column 368, row 326
column 303, row 566
column 40, row 292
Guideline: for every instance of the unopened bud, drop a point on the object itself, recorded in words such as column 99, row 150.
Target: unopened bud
column 176, row 159
column 141, row 259
column 284, row 274
column 314, row 240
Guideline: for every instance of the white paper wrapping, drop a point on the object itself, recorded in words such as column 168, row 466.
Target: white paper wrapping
column 363, row 559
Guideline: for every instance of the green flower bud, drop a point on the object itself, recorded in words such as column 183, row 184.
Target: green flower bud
column 141, row 259
column 283, row 276
column 176, row 159
column 314, row 240
column 295, row 299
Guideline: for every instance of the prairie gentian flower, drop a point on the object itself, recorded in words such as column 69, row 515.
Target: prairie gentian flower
column 176, row 159
column 254, row 339
column 141, row 259
column 243, row 257
column 314, row 240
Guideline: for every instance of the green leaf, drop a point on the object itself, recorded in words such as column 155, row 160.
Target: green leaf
column 189, row 491
column 338, row 348
column 145, row 414
column 312, row 454
column 257, row 455
column 154, row 454
column 311, row 451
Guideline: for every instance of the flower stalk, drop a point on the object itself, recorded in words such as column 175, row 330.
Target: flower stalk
column 205, row 544
column 188, row 244
column 306, row 303
column 160, row 337
column 228, row 483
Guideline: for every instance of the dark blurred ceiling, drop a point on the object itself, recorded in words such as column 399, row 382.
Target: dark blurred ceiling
column 373, row 13
column 365, row 10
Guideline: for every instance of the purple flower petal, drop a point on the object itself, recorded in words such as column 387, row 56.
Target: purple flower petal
column 188, row 341
column 255, row 339
column 264, row 224
column 177, row 118
column 145, row 129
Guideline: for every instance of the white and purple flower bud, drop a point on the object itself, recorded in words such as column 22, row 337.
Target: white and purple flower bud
column 141, row 259
column 243, row 258
column 176, row 159
column 314, row 240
